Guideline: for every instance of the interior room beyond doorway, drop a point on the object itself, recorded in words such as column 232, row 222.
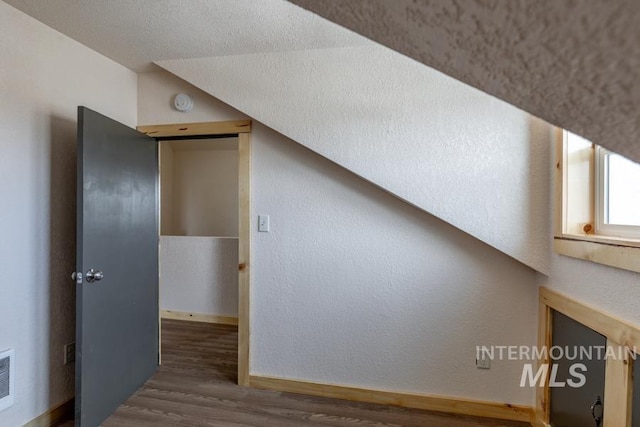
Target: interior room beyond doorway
column 199, row 229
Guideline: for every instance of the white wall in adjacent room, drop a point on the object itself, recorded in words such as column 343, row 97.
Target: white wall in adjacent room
column 199, row 275
column 202, row 198
column 166, row 187
column 199, row 245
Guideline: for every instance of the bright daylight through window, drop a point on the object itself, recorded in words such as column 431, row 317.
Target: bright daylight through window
column 617, row 195
column 612, row 189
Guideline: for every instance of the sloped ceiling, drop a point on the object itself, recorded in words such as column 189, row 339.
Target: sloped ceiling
column 136, row 33
column 572, row 63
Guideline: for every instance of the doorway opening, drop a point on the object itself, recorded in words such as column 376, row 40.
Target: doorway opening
column 205, row 225
column 199, row 230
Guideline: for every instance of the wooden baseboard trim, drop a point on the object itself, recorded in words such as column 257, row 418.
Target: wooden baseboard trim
column 417, row 401
column 61, row 412
column 537, row 422
column 198, row 317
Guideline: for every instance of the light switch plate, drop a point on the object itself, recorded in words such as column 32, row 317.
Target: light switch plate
column 263, row 223
column 69, row 353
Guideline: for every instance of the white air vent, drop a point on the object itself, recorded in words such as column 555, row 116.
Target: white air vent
column 7, row 370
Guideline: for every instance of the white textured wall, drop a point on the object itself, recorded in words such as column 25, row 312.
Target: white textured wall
column 610, row 289
column 199, row 275
column 44, row 76
column 156, row 91
column 166, row 188
column 449, row 149
column 205, row 193
column 354, row 287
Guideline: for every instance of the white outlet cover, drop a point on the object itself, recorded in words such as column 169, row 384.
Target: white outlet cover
column 483, row 363
column 263, row 223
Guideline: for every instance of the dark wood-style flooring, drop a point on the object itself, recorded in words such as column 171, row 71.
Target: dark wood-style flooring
column 196, row 387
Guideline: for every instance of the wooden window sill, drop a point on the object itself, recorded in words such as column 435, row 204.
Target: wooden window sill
column 612, row 251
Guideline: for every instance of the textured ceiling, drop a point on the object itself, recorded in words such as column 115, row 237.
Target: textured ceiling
column 137, row 32
column 574, row 63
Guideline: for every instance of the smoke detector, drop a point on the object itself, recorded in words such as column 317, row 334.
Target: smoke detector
column 183, row 102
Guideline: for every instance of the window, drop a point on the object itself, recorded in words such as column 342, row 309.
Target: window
column 617, row 198
column 597, row 204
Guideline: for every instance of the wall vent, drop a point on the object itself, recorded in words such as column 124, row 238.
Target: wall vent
column 7, row 369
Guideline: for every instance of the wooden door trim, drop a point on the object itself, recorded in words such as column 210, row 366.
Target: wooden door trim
column 241, row 128
column 197, row 129
column 244, row 255
column 198, row 317
column 618, row 373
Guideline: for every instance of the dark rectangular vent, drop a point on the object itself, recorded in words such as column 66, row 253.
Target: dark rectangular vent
column 7, row 370
column 5, row 376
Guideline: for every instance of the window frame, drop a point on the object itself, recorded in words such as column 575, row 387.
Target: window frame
column 574, row 233
column 602, row 227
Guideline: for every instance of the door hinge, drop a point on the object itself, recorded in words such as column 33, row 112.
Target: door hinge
column 76, row 276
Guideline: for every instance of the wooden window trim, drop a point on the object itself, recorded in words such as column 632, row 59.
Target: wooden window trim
column 619, row 252
column 626, row 232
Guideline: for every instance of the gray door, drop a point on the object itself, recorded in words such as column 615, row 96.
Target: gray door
column 635, row 406
column 571, row 407
column 117, row 253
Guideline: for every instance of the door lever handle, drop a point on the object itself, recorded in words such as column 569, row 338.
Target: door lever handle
column 94, row 275
column 596, row 411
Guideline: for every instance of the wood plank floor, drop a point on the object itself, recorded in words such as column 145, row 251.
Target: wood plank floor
column 196, row 387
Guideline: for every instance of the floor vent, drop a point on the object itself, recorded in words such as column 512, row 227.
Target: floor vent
column 7, row 370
